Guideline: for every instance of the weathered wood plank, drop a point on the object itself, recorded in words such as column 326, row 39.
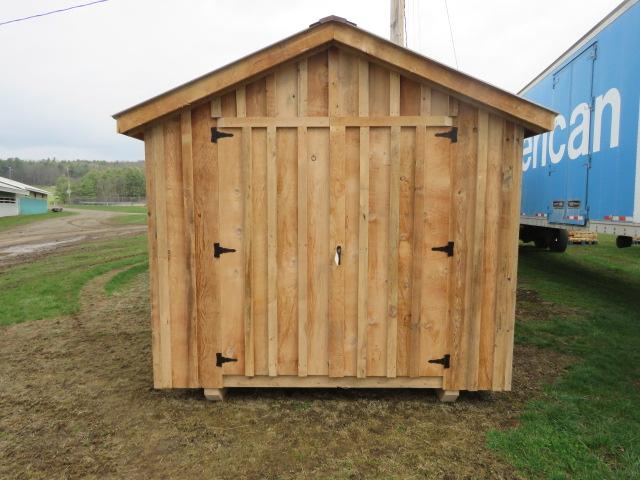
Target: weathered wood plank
column 216, row 107
column 392, row 246
column 205, row 170
column 464, row 162
column 150, row 149
column 476, row 251
column 247, row 188
column 439, row 103
column 436, row 212
column 241, row 101
column 328, row 382
column 272, row 250
column 190, row 245
column 294, row 122
column 164, row 300
column 334, row 87
column 363, row 254
column 490, row 261
column 318, row 241
column 318, row 85
column 348, row 78
column 350, row 253
column 287, row 91
column 232, row 265
column 363, row 87
column 287, row 250
column 378, row 251
column 337, row 234
column 409, row 97
column 416, row 358
column 259, row 253
column 303, row 309
column 379, row 92
column 270, row 95
column 303, row 87
column 256, row 98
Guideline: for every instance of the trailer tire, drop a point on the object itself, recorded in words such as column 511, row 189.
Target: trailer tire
column 624, row 241
column 559, row 241
column 541, row 242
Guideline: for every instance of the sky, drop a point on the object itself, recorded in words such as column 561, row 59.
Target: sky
column 63, row 76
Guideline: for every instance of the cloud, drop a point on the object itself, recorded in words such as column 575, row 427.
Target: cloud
column 64, row 75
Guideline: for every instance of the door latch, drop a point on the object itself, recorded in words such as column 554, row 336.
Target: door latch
column 219, row 250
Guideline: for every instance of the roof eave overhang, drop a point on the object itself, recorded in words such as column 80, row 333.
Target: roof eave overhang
column 534, row 118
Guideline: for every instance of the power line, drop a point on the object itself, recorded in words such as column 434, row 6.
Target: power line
column 51, row 12
column 453, row 44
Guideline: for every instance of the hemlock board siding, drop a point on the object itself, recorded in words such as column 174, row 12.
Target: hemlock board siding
column 333, row 152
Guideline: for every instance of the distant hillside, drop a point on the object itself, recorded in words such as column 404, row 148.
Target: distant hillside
column 88, row 180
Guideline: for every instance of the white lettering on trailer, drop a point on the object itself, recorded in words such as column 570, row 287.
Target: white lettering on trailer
column 578, row 142
column 580, row 131
column 611, row 98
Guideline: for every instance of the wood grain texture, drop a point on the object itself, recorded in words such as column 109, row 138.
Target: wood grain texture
column 405, row 247
column 378, row 251
column 318, row 258
column 393, row 240
column 256, row 98
column 350, row 258
column 436, row 215
column 190, row 244
column 491, row 254
column 464, row 163
column 232, row 265
column 337, row 237
column 164, row 299
column 287, row 250
column 150, row 160
column 247, row 234
column 259, row 253
column 205, row 172
column 363, row 253
column 272, row 250
column 303, row 287
column 318, row 84
column 416, row 357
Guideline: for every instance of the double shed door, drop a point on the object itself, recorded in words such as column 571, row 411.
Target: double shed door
column 333, row 225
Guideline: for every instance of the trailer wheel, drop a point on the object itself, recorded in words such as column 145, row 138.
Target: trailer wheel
column 624, row 242
column 541, row 242
column 559, row 241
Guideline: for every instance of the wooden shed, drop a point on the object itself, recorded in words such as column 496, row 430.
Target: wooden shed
column 333, row 211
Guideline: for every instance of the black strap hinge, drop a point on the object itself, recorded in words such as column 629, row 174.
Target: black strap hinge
column 448, row 249
column 219, row 250
column 444, row 361
column 216, row 134
column 220, row 360
column 451, row 134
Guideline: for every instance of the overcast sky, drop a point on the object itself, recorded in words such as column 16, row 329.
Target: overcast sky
column 64, row 75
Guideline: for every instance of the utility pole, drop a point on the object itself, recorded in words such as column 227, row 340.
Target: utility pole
column 397, row 23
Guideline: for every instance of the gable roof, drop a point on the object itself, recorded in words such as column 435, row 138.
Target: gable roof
column 337, row 31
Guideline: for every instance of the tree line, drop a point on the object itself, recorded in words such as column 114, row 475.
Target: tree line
column 80, row 180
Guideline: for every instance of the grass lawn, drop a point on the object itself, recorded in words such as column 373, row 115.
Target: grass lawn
column 111, row 208
column 130, row 219
column 587, row 424
column 84, row 375
column 9, row 222
column 50, row 287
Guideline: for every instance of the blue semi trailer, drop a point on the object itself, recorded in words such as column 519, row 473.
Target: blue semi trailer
column 585, row 174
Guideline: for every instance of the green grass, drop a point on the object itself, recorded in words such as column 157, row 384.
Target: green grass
column 130, row 219
column 10, row 222
column 51, row 287
column 111, row 208
column 587, row 424
column 124, row 278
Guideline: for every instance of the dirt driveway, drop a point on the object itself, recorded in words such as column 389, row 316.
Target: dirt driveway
column 32, row 240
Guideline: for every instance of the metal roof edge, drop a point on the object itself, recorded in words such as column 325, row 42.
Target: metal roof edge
column 582, row 42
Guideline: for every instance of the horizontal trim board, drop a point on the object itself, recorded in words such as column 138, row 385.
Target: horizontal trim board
column 328, row 382
column 294, row 122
